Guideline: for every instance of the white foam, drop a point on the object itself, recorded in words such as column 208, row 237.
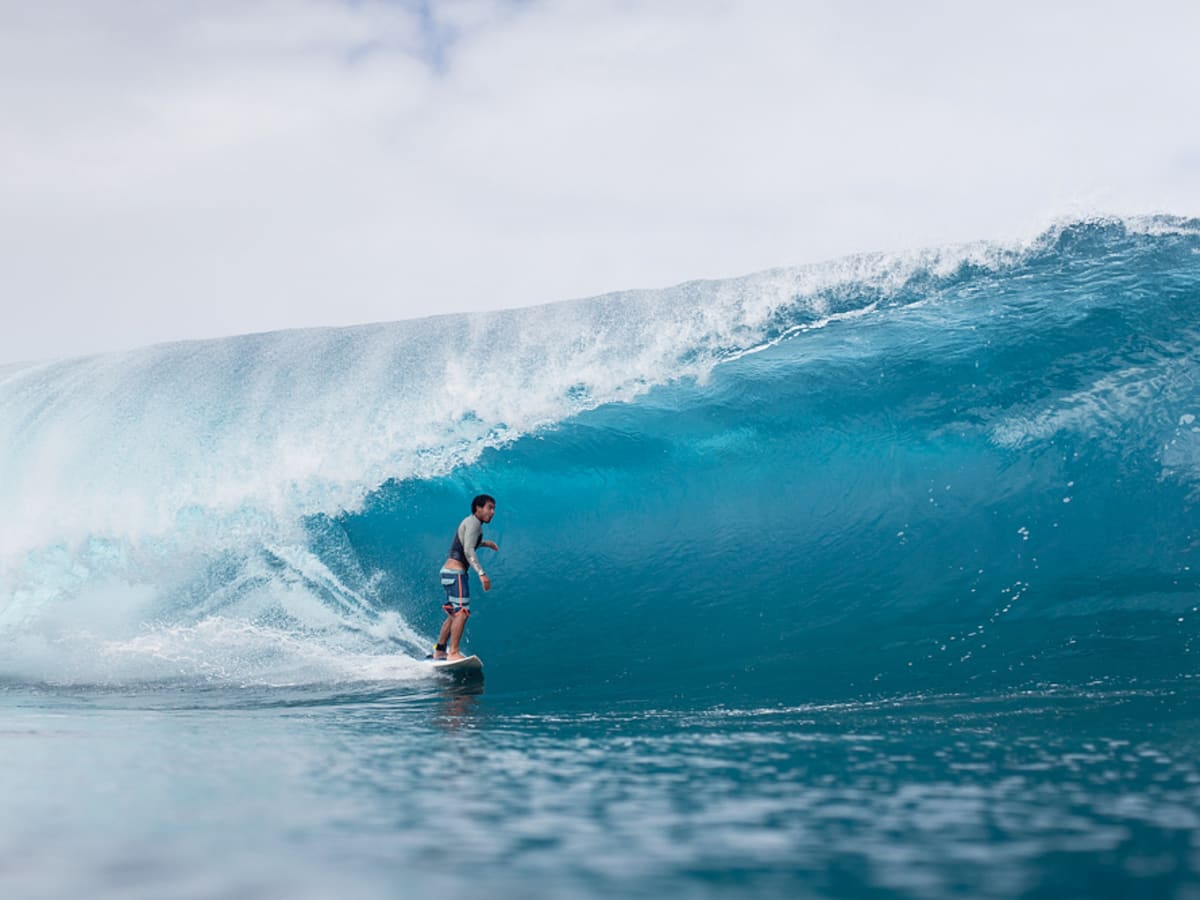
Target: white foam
column 279, row 632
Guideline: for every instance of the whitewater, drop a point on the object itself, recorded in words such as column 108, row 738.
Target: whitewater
column 869, row 578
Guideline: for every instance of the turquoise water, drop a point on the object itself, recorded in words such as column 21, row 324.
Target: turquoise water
column 867, row 579
column 1059, row 792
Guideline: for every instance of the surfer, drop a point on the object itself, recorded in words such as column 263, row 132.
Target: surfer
column 455, row 575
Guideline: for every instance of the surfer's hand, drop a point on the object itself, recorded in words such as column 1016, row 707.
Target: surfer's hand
column 486, row 582
column 491, row 545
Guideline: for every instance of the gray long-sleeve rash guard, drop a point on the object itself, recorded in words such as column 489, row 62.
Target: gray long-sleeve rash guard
column 468, row 536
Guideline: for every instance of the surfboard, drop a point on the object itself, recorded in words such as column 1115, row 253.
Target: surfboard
column 466, row 664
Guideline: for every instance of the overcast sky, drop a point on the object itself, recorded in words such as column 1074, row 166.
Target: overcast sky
column 194, row 169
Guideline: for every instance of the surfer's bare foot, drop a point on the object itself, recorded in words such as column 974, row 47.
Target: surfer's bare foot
column 439, row 656
column 454, row 656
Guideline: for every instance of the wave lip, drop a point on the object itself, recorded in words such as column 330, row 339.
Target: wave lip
column 296, row 423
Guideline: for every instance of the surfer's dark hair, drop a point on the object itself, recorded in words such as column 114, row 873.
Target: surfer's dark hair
column 481, row 501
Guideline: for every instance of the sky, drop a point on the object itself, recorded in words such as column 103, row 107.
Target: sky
column 173, row 170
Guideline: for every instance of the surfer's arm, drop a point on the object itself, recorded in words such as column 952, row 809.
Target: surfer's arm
column 471, row 532
column 491, row 545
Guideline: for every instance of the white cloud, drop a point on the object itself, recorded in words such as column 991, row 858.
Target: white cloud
column 173, row 170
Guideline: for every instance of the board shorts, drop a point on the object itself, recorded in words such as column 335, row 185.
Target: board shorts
column 458, row 591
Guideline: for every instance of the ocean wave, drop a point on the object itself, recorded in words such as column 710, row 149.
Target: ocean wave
column 282, row 488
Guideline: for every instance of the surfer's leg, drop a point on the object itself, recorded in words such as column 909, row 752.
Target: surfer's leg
column 443, row 636
column 457, row 623
column 458, row 592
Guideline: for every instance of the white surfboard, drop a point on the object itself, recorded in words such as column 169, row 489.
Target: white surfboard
column 466, row 664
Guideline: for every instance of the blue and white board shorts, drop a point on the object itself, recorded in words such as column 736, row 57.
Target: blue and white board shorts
column 458, row 592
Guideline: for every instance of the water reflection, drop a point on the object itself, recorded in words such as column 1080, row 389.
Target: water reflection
column 458, row 705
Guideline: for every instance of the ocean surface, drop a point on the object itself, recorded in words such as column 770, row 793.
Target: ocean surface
column 875, row 578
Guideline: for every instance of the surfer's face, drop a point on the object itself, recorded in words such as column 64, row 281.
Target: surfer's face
column 484, row 513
